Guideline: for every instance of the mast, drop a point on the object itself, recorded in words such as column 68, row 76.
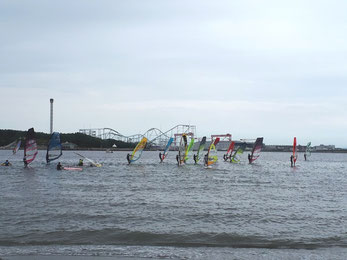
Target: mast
column 51, row 118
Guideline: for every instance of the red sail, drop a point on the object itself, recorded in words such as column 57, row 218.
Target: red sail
column 231, row 148
column 295, row 156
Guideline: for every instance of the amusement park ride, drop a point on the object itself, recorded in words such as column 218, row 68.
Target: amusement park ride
column 158, row 138
column 155, row 136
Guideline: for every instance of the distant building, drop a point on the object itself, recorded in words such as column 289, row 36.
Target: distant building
column 323, row 147
column 69, row 146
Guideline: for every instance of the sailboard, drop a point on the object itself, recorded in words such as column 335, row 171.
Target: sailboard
column 72, row 168
column 186, row 155
column 229, row 151
column 89, row 160
column 16, row 148
column 166, row 150
column 212, row 153
column 30, row 147
column 182, row 149
column 138, row 150
column 54, row 148
column 295, row 153
column 201, row 149
column 256, row 149
column 235, row 158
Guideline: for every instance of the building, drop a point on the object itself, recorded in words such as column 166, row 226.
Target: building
column 69, row 146
column 323, row 147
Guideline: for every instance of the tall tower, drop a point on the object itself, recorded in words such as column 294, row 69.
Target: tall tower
column 51, row 122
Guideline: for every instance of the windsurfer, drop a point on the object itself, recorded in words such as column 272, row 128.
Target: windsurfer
column 6, row 163
column 161, row 158
column 206, row 159
column 59, row 166
column 128, row 158
column 305, row 156
column 291, row 160
column 249, row 158
column 25, row 162
column 194, row 157
column 80, row 163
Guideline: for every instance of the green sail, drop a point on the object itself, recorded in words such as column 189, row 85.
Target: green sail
column 188, row 149
column 236, row 156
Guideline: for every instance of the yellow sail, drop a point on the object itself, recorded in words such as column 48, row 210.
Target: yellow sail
column 138, row 150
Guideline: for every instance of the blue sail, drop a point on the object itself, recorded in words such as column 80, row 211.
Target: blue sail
column 166, row 151
column 54, row 148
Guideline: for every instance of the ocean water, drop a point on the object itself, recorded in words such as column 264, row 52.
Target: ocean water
column 148, row 209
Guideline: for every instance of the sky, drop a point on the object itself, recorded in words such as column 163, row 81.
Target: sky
column 250, row 68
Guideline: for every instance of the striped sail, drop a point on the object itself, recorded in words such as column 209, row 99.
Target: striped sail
column 30, row 147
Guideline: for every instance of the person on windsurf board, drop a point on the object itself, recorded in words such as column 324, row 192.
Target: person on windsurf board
column 291, row 161
column 6, row 163
column 59, row 166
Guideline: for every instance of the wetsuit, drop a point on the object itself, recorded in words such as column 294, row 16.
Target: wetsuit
column 80, row 163
column 291, row 161
column 59, row 167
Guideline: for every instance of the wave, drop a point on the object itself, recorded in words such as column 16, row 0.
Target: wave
column 132, row 238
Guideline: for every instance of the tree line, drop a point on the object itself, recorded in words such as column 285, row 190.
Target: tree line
column 79, row 139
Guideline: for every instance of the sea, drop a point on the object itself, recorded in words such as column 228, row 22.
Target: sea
column 266, row 210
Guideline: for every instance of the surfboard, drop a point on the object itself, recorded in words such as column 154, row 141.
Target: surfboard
column 72, row 169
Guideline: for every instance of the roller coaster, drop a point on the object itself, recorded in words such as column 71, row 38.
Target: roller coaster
column 155, row 136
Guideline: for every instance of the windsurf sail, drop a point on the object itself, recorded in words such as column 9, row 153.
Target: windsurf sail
column 182, row 149
column 201, row 149
column 188, row 149
column 89, row 160
column 138, row 150
column 212, row 153
column 16, row 148
column 295, row 153
column 54, row 148
column 308, row 149
column 256, row 149
column 166, row 150
column 235, row 158
column 229, row 152
column 30, row 147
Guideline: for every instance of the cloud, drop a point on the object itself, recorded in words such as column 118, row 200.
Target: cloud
column 250, row 68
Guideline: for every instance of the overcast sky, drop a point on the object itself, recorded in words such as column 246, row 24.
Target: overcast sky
column 251, row 68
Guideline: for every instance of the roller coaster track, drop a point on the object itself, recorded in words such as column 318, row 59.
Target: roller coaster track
column 155, row 136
